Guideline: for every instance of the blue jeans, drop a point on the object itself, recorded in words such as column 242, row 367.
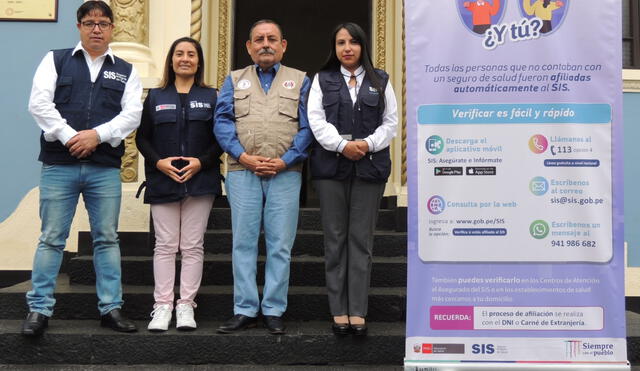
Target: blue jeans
column 253, row 199
column 60, row 186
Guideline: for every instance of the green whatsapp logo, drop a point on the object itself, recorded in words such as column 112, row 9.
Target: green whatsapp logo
column 539, row 229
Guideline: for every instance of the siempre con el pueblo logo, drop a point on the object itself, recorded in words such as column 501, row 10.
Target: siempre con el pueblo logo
column 576, row 348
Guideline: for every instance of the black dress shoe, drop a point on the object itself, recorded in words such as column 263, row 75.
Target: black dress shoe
column 273, row 324
column 340, row 328
column 116, row 321
column 359, row 330
column 35, row 324
column 236, row 323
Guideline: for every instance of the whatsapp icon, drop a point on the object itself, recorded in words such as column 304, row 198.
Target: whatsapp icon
column 539, row 229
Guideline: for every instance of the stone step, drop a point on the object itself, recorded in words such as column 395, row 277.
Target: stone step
column 84, row 342
column 215, row 303
column 218, row 241
column 304, row 271
column 309, row 218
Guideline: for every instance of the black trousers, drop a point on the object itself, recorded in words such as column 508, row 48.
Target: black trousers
column 349, row 211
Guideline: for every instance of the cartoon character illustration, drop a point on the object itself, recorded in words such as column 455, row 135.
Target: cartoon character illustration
column 542, row 9
column 482, row 11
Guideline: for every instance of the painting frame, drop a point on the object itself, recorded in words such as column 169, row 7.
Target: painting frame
column 29, row 10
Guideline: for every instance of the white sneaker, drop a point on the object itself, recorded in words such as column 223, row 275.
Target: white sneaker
column 161, row 318
column 184, row 317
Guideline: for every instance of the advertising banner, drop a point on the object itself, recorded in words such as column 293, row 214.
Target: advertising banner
column 514, row 127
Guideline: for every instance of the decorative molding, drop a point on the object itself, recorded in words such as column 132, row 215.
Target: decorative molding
column 131, row 156
column 129, row 167
column 224, row 39
column 631, row 86
column 196, row 19
column 630, row 81
column 403, row 171
column 130, row 19
column 380, row 32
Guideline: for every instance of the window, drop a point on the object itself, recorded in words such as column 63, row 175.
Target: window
column 630, row 34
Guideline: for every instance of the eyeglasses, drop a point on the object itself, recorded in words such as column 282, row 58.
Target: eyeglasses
column 89, row 26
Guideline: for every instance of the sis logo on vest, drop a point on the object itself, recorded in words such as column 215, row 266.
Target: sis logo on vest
column 244, row 84
column 112, row 75
column 196, row 104
column 289, row 84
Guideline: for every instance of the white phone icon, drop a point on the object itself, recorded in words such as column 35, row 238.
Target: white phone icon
column 537, row 145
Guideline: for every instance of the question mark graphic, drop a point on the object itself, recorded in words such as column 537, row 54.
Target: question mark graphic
column 536, row 24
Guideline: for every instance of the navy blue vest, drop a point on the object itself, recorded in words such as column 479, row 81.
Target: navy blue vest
column 86, row 105
column 181, row 131
column 359, row 121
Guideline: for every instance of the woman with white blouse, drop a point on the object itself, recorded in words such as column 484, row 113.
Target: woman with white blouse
column 353, row 115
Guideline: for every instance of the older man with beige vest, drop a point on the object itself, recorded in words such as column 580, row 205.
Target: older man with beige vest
column 261, row 122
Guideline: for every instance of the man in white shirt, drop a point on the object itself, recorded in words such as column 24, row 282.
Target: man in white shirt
column 86, row 101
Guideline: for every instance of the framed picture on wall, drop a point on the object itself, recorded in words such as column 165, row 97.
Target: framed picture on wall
column 29, row 10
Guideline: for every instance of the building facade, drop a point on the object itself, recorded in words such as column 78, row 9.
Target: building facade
column 144, row 31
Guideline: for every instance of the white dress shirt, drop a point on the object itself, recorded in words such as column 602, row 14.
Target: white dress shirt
column 327, row 134
column 55, row 127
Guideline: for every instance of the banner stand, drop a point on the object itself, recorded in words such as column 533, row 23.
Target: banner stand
column 515, row 217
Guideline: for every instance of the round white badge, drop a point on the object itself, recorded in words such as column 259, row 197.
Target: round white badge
column 289, row 84
column 244, row 84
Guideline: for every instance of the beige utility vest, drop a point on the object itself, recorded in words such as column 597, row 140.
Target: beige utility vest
column 266, row 122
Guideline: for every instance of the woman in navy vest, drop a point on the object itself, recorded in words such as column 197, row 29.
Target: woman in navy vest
column 183, row 177
column 352, row 113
